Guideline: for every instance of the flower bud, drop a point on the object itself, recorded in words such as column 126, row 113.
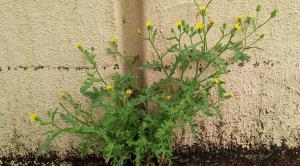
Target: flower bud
column 78, row 45
column 168, row 97
column 113, row 40
column 249, row 19
column 109, row 86
column 239, row 18
column 274, row 13
column 202, row 10
column 261, row 36
column 139, row 31
column 230, row 95
column 210, row 24
column 258, row 8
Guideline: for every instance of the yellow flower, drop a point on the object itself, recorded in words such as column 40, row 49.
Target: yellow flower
column 139, row 31
column 202, row 10
column 109, row 86
column 168, row 97
column 237, row 26
column 231, row 94
column 178, row 24
column 77, row 45
column 61, row 94
column 33, row 117
column 113, row 40
column 128, row 92
column 239, row 18
column 199, row 26
column 215, row 81
column 149, row 25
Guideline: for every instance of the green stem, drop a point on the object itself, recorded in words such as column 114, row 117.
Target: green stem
column 251, row 33
column 71, row 113
column 56, row 126
column 204, row 48
column 210, row 76
column 209, row 63
column 250, row 45
column 158, row 55
column 208, row 3
column 101, row 79
column 221, row 39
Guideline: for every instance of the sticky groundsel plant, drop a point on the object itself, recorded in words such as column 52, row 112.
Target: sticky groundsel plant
column 139, row 121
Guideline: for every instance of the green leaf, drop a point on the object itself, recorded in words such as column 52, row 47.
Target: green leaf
column 221, row 91
column 78, row 109
column 91, row 79
column 51, row 114
column 85, row 146
column 242, row 56
column 151, row 65
column 217, row 109
column 70, row 119
column 88, row 130
column 153, row 37
column 208, row 57
column 48, row 141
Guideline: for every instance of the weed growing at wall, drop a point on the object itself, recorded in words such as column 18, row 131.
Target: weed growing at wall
column 139, row 121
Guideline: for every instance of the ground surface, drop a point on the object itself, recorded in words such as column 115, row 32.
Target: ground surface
column 187, row 156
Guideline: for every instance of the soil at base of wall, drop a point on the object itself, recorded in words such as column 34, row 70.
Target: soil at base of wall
column 185, row 156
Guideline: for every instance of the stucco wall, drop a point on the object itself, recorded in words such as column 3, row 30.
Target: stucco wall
column 38, row 60
column 266, row 109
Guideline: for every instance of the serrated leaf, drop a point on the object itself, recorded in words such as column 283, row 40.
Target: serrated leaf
column 217, row 109
column 51, row 114
column 221, row 91
column 151, row 65
column 153, row 37
column 90, row 81
column 69, row 119
column 48, row 141
column 242, row 56
column 85, row 146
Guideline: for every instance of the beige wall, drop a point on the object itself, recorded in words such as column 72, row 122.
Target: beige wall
column 37, row 42
column 266, row 110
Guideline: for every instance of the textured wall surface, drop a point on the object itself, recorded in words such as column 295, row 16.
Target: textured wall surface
column 38, row 60
column 266, row 110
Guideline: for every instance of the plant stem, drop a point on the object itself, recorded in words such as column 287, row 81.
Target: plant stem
column 218, row 42
column 251, row 33
column 210, row 76
column 158, row 55
column 208, row 3
column 101, row 79
column 71, row 113
column 209, row 63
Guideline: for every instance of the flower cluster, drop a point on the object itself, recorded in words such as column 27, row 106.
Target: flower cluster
column 139, row 121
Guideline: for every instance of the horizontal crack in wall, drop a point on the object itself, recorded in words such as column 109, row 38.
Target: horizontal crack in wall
column 42, row 67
